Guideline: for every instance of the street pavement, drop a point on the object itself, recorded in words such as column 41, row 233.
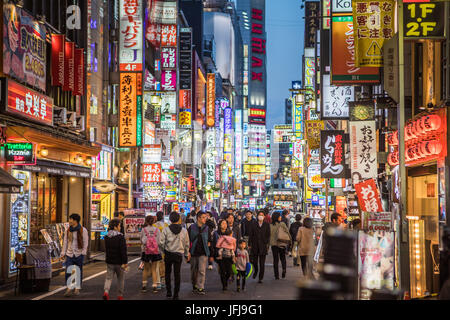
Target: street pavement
column 94, row 276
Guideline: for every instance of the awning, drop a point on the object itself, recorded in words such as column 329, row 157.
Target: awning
column 9, row 184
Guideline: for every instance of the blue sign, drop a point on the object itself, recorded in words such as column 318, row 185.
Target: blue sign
column 297, row 84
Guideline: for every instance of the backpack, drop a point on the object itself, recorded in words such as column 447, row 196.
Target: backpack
column 151, row 246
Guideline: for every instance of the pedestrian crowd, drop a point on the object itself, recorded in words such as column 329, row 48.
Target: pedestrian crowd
column 237, row 241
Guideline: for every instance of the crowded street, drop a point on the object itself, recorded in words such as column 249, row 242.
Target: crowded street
column 233, row 150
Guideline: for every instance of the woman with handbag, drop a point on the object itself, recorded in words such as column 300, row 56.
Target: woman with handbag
column 305, row 239
column 279, row 241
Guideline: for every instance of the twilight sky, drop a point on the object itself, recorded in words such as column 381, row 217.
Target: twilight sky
column 285, row 33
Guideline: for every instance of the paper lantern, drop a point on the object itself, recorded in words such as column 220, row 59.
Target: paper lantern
column 393, row 159
column 432, row 122
column 435, row 147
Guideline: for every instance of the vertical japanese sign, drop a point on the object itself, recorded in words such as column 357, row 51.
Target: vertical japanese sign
column 374, row 23
column 313, row 128
column 368, row 196
column 69, row 66
column 169, row 80
column 168, row 57
column 326, row 14
column 332, row 160
column 210, row 99
column 312, row 9
column 131, row 35
column 363, row 150
column 24, row 47
column 184, row 115
column 335, row 100
column 128, row 110
column 343, row 66
column 310, row 68
column 257, row 96
column 79, row 76
column 210, row 158
column 298, row 121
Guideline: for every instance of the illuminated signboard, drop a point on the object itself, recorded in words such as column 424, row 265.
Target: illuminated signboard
column 310, row 68
column 131, row 35
column 151, row 173
column 29, row 104
column 282, row 133
column 257, row 116
column 335, row 100
column 298, row 121
column 130, row 120
column 185, row 113
column 19, row 153
column 210, row 99
column 424, row 20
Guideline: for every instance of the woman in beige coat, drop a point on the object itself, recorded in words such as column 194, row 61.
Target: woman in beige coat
column 305, row 239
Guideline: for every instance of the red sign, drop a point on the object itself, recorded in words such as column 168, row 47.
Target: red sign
column 258, row 44
column 79, row 73
column 69, row 70
column 168, row 35
column 28, row 103
column 152, row 172
column 185, row 99
column 58, row 48
column 368, row 196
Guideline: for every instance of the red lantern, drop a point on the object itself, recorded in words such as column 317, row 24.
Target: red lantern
column 435, row 147
column 432, row 122
column 393, row 159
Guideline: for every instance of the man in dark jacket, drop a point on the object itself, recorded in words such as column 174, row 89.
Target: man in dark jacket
column 234, row 226
column 200, row 240
column 116, row 258
column 246, row 224
column 336, row 221
column 293, row 230
column 258, row 241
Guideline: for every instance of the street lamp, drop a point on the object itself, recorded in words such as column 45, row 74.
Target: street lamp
column 299, row 98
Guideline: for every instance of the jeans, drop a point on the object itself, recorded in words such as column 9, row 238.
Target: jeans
column 198, row 271
column 225, row 270
column 278, row 254
column 77, row 261
column 112, row 269
column 254, row 261
column 175, row 260
column 240, row 275
column 306, row 265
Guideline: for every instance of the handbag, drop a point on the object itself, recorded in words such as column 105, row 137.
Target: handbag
column 283, row 238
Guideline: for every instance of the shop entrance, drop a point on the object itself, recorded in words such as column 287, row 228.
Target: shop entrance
column 423, row 214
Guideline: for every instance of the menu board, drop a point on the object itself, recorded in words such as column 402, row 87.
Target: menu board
column 54, row 236
column 20, row 218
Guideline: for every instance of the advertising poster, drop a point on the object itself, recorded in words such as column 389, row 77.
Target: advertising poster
column 168, row 102
column 368, row 196
column 282, row 133
column 314, row 178
column 24, row 47
column 361, row 111
column 343, row 66
column 373, row 24
column 151, row 153
column 132, row 227
column 163, row 139
column 375, row 262
column 20, row 218
column 332, row 157
column 363, row 150
column 377, row 221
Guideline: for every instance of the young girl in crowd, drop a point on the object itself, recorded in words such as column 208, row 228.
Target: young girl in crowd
column 242, row 259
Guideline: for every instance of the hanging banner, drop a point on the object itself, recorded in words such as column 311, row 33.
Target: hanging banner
column 131, row 35
column 343, row 67
column 363, row 150
column 332, row 161
column 58, row 47
column 151, row 172
column 169, row 80
column 361, row 111
column 374, row 23
column 313, row 128
column 69, row 66
column 424, row 20
column 128, row 110
column 369, row 199
column 335, row 100
column 24, row 47
column 210, row 99
column 79, row 73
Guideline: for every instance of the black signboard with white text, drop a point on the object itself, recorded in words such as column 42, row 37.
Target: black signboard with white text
column 19, row 153
column 424, row 20
column 332, row 157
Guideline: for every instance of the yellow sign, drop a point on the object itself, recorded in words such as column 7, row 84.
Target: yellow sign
column 184, row 118
column 373, row 23
column 313, row 128
column 254, row 168
column 128, row 110
column 210, row 99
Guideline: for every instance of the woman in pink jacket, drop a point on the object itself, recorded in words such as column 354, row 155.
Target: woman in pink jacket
column 225, row 247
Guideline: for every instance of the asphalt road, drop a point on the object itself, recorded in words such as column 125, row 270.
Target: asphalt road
column 94, row 277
